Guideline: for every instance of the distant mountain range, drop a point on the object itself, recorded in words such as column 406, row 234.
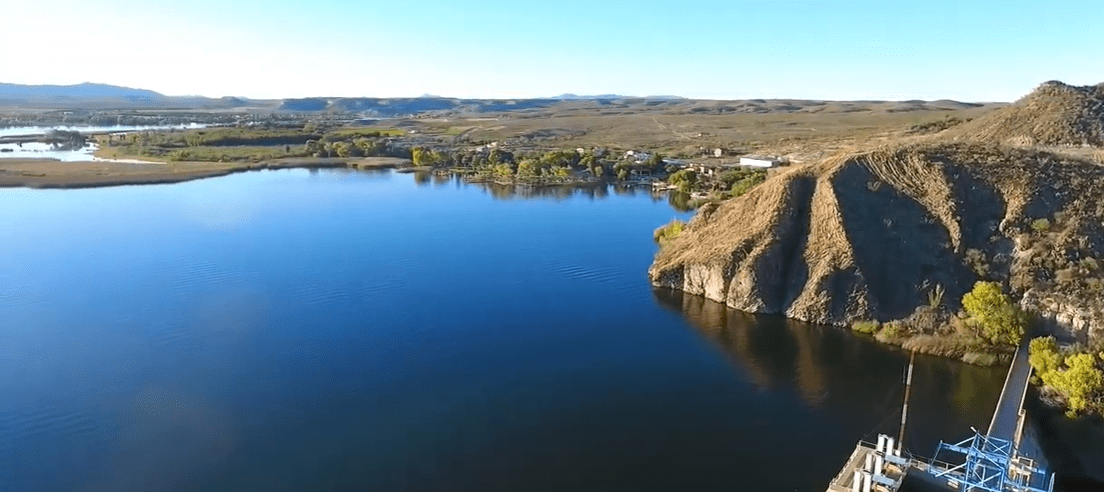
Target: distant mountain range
column 86, row 90
column 90, row 96
column 104, row 96
column 568, row 97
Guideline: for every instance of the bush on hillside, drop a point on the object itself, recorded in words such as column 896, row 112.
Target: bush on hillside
column 668, row 231
column 1001, row 322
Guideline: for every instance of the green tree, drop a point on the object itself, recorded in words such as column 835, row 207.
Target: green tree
column 315, row 148
column 999, row 320
column 527, row 169
column 421, row 156
column 343, row 149
column 684, row 180
column 503, row 171
column 1080, row 382
column 1043, row 355
column 748, row 182
column 655, row 162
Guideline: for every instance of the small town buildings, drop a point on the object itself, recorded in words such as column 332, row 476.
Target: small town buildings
column 637, row 156
column 759, row 161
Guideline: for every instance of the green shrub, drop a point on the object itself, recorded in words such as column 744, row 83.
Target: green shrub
column 999, row 320
column 890, row 331
column 668, row 231
column 746, row 184
column 1040, row 225
column 935, row 296
column 1043, row 355
column 1089, row 264
column 869, row 327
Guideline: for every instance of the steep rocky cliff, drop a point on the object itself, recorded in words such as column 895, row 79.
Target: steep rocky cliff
column 880, row 234
column 869, row 235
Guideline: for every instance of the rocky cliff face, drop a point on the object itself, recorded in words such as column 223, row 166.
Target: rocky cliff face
column 869, row 235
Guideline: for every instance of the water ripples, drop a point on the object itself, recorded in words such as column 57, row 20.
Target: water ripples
column 202, row 274
column 608, row 277
column 43, row 422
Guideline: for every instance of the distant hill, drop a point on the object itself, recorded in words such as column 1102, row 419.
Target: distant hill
column 100, row 96
column 1053, row 114
column 91, row 96
column 880, row 233
column 86, row 90
column 405, row 106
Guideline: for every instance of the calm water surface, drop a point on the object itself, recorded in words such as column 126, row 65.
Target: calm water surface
column 336, row 330
column 38, row 150
column 41, row 130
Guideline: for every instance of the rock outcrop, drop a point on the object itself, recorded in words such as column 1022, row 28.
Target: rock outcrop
column 869, row 235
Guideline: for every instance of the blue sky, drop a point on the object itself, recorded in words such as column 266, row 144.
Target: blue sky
column 981, row 51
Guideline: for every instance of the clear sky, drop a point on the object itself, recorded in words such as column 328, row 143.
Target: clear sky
column 732, row 49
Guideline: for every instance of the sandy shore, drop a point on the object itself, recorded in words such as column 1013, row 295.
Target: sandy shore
column 50, row 173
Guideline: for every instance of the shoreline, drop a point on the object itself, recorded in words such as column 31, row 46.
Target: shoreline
column 56, row 174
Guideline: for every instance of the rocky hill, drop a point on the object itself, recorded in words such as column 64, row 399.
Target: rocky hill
column 871, row 234
column 1053, row 114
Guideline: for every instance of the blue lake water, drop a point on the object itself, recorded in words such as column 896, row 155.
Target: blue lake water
column 340, row 330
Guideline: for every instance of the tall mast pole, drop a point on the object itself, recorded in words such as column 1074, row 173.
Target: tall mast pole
column 904, row 410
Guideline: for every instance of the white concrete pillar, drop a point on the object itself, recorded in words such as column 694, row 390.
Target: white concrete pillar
column 869, row 466
column 878, row 463
column 889, row 445
column 866, row 482
column 881, row 442
column 856, row 482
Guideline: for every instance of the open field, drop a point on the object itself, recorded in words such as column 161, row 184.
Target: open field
column 684, row 129
column 799, row 131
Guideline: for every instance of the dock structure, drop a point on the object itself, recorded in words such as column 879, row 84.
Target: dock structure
column 872, row 467
column 1003, row 459
column 990, row 464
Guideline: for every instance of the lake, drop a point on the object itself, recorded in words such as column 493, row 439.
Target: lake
column 41, row 130
column 343, row 330
column 39, row 150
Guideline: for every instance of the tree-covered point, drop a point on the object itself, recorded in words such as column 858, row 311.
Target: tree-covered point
column 1076, row 374
column 250, row 143
column 534, row 167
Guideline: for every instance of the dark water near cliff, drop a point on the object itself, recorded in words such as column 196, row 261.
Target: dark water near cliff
column 337, row 330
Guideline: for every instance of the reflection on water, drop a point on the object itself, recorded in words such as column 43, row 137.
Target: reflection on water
column 41, row 130
column 679, row 201
column 499, row 191
column 39, row 150
column 835, row 370
column 365, row 330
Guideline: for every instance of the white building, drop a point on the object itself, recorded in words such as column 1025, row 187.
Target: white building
column 759, row 161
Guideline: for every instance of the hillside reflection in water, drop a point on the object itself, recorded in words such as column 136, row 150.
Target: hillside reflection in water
column 841, row 373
